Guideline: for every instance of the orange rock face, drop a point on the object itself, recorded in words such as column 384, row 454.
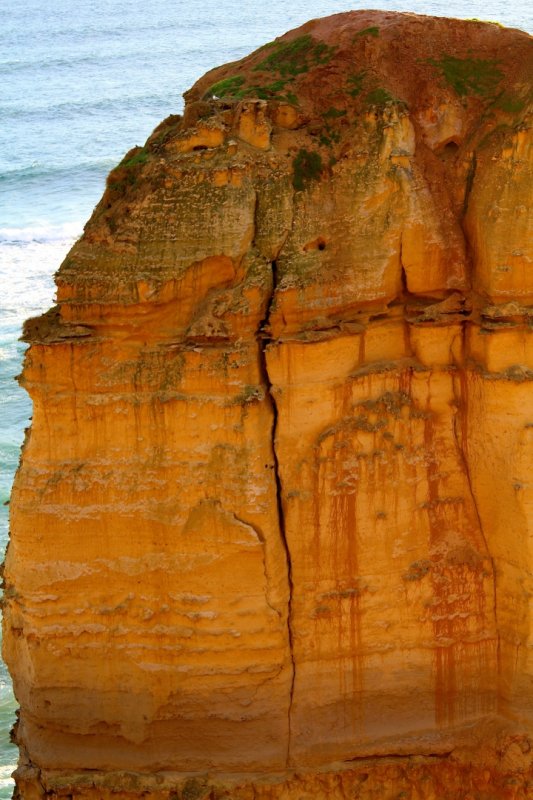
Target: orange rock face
column 272, row 528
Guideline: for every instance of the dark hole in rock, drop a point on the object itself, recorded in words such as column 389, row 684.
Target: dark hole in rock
column 317, row 244
column 449, row 150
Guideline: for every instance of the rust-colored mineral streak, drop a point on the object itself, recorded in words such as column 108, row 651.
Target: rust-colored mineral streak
column 272, row 532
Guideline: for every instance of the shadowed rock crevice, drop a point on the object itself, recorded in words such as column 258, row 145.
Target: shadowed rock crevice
column 263, row 340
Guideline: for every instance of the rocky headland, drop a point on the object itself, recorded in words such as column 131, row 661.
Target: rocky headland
column 272, row 531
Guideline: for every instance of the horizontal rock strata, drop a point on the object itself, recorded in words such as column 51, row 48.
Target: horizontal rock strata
column 271, row 531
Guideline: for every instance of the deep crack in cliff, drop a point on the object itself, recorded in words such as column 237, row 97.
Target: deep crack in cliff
column 263, row 340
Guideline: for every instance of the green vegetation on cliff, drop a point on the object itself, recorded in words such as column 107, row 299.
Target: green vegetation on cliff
column 285, row 60
column 295, row 57
column 307, row 167
column 469, row 75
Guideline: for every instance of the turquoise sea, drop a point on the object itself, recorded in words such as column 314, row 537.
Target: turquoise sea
column 80, row 84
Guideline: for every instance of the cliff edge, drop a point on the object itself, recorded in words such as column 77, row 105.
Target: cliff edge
column 271, row 534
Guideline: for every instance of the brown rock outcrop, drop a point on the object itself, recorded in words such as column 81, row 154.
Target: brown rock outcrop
column 271, row 532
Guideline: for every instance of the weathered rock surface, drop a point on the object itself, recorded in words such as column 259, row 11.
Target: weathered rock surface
column 272, row 528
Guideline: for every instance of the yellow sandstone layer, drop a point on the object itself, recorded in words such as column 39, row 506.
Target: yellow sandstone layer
column 272, row 528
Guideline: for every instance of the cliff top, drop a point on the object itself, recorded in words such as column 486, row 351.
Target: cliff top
column 402, row 108
column 332, row 67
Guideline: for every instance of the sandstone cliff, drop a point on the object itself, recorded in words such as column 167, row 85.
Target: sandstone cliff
column 272, row 528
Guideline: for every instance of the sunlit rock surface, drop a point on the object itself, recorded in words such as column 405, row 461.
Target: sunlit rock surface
column 272, row 528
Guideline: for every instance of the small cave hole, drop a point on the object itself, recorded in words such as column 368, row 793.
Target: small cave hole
column 316, row 244
column 449, row 150
column 199, row 147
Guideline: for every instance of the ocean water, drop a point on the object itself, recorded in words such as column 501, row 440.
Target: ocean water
column 80, row 84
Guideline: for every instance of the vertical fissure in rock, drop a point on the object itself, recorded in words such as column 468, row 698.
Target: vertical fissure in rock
column 403, row 274
column 469, row 182
column 263, row 343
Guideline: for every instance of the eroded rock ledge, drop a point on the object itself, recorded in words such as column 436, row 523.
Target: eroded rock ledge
column 271, row 531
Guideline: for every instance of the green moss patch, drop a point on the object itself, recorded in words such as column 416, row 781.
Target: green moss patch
column 329, row 134
column 270, row 91
column 164, row 131
column 235, row 88
column 226, row 87
column 293, row 58
column 379, row 97
column 334, row 113
column 469, row 76
column 307, row 167
column 509, row 104
column 372, row 31
column 354, row 84
column 126, row 173
column 135, row 157
column 329, row 137
column 285, row 60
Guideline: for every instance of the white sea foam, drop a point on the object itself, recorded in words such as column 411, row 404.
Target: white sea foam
column 40, row 234
column 29, row 257
column 6, row 781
